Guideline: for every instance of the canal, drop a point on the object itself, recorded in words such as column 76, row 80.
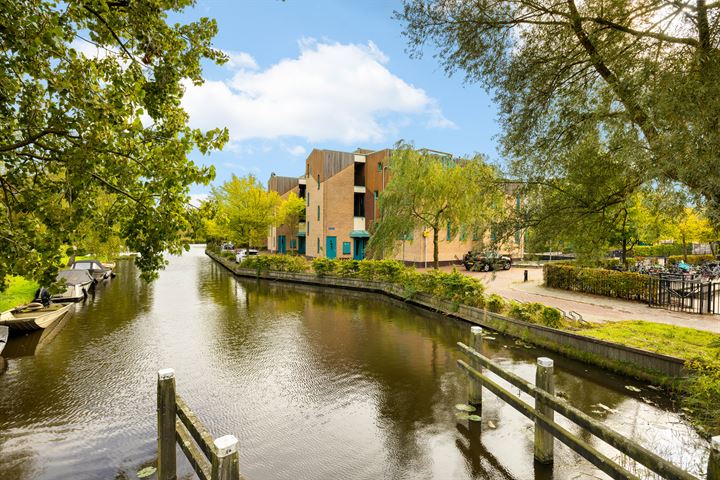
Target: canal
column 316, row 384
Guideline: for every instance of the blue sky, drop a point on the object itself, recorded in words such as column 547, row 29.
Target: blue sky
column 326, row 74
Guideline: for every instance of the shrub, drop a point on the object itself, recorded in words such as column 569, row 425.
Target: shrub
column 279, row 263
column 627, row 285
column 227, row 254
column 495, row 303
column 552, row 317
column 664, row 250
column 323, row 266
column 346, row 268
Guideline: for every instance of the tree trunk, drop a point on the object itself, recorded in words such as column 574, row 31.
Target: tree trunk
column 624, row 251
column 436, row 254
column 684, row 249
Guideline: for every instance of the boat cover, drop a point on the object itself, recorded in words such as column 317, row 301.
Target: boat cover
column 75, row 277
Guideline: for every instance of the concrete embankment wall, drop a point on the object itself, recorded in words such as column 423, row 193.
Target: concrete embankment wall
column 631, row 361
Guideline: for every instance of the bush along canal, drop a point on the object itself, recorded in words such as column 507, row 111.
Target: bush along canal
column 314, row 383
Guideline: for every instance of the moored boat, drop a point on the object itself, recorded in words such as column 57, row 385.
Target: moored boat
column 33, row 316
column 77, row 283
column 94, row 268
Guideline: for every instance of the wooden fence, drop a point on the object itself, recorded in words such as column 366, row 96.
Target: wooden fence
column 546, row 429
column 216, row 459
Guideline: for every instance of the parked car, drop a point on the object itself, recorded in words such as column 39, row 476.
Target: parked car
column 245, row 252
column 486, row 261
column 227, row 246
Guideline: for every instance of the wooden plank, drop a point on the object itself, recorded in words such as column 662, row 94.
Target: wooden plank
column 580, row 447
column 196, row 458
column 195, row 427
column 632, row 449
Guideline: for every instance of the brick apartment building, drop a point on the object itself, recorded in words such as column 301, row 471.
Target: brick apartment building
column 341, row 191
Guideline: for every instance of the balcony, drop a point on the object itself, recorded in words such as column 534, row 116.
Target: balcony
column 358, row 223
column 359, row 158
column 302, row 228
column 359, row 188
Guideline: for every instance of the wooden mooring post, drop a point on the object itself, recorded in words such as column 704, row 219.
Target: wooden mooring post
column 217, row 459
column 544, row 441
column 547, row 429
column 475, row 386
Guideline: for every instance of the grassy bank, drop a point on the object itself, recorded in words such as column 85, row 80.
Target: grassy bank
column 19, row 291
column 700, row 394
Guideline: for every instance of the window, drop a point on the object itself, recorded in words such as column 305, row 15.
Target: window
column 375, row 195
column 346, row 248
column 493, row 235
column 318, row 181
column 318, row 216
column 463, row 234
column 517, row 202
column 449, row 235
column 380, row 166
column 318, row 245
column 517, row 237
column 307, row 228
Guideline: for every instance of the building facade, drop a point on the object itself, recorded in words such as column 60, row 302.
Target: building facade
column 341, row 191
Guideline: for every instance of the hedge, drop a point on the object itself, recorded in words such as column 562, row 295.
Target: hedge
column 609, row 283
column 662, row 250
column 691, row 259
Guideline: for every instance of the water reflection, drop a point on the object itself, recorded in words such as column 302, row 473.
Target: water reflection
column 315, row 383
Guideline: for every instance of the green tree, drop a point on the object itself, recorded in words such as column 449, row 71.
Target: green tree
column 646, row 69
column 432, row 191
column 691, row 227
column 245, row 211
column 291, row 211
column 76, row 126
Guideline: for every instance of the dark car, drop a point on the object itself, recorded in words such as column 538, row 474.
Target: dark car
column 486, row 261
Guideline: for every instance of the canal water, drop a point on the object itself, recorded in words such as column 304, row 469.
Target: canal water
column 316, row 384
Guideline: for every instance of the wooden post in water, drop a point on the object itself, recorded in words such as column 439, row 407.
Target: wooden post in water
column 474, row 386
column 713, row 471
column 226, row 460
column 166, row 466
column 543, row 439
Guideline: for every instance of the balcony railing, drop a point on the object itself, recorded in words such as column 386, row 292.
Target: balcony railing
column 358, row 223
column 302, row 227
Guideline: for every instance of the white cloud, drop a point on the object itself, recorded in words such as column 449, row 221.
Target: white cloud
column 331, row 91
column 197, row 198
column 240, row 60
column 296, row 150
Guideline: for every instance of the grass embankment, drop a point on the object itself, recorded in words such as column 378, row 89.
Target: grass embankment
column 700, row 393
column 19, row 291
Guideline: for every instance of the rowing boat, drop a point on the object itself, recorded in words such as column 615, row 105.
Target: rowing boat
column 4, row 333
column 33, row 316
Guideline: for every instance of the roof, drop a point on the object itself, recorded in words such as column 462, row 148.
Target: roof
column 75, row 277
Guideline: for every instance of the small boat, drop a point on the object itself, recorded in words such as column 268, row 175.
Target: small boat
column 4, row 333
column 94, row 268
column 33, row 316
column 77, row 282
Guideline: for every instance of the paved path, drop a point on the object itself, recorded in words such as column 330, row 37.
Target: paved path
column 593, row 308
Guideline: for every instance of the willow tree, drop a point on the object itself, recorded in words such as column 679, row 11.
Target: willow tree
column 559, row 70
column 432, row 191
column 91, row 106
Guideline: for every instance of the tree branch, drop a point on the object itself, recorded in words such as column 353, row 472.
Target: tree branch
column 31, row 139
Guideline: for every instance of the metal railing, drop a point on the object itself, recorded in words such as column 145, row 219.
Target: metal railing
column 216, row 459
column 678, row 293
column 546, row 429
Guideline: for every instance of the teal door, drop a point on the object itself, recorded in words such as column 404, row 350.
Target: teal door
column 301, row 245
column 282, row 244
column 331, row 247
column 359, row 248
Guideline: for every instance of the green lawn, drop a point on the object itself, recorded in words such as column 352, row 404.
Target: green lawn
column 682, row 342
column 18, row 292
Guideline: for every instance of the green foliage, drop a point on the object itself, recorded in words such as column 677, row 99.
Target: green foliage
column 323, row 266
column 278, row 263
column 454, row 287
column 227, row 254
column 430, row 191
column 347, row 268
column 553, row 318
column 291, row 210
column 19, row 291
column 661, row 250
column 496, row 304
column 610, row 283
column 565, row 72
column 77, row 126
column 245, row 211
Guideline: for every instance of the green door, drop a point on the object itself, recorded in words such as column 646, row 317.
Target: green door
column 331, row 247
column 282, row 244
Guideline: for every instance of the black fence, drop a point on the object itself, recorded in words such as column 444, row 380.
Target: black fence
column 682, row 294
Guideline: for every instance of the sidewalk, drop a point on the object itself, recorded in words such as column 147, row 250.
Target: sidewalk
column 593, row 308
